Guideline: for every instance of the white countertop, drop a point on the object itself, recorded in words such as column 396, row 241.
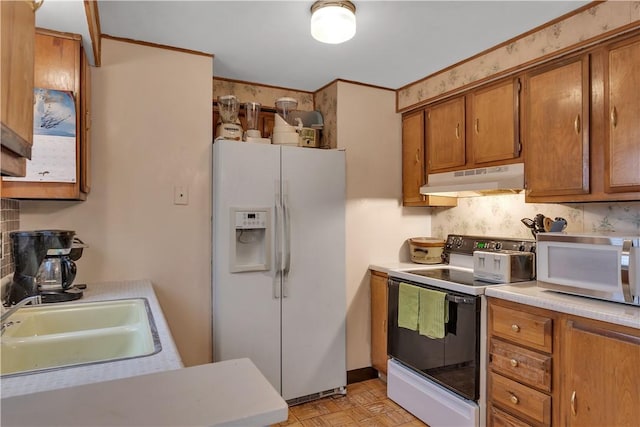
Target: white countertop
column 385, row 267
column 529, row 293
column 230, row 393
column 168, row 358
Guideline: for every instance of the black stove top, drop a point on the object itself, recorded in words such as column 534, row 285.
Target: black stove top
column 450, row 275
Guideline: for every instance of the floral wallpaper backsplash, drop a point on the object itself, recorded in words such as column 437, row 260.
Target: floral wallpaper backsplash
column 500, row 216
column 590, row 23
column 265, row 95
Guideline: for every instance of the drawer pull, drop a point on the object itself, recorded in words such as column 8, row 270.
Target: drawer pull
column 514, row 399
column 514, row 363
column 515, row 328
column 574, row 411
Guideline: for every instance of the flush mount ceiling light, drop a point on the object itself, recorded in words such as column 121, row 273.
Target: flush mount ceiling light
column 333, row 21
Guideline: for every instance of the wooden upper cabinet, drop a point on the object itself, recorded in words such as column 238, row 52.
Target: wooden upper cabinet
column 556, row 137
column 18, row 34
column 58, row 65
column 446, row 135
column 413, row 164
column 413, row 170
column 601, row 381
column 622, row 153
column 495, row 130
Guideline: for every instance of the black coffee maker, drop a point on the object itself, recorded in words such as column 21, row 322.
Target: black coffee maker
column 44, row 265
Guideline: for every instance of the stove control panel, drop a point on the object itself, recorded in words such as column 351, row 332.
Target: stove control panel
column 467, row 245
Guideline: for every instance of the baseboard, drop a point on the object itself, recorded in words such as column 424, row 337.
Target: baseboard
column 362, row 374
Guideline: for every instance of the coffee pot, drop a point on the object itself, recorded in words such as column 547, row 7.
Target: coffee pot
column 56, row 273
column 44, row 265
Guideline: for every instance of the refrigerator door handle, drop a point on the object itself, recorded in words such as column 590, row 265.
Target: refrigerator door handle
column 287, row 246
column 278, row 262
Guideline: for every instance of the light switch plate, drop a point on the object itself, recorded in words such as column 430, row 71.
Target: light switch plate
column 180, row 195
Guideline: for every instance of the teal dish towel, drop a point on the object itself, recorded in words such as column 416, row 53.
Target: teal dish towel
column 433, row 313
column 408, row 303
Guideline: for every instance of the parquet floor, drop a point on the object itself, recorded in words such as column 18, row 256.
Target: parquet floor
column 366, row 404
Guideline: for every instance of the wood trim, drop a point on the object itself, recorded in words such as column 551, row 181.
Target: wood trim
column 592, row 329
column 93, row 22
column 60, row 34
column 525, row 66
column 261, row 85
column 355, row 83
column 379, row 274
column 14, row 142
column 156, row 45
column 361, row 374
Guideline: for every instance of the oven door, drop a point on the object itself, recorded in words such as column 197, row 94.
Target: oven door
column 452, row 361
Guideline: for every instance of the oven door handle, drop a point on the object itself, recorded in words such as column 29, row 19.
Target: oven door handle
column 460, row 300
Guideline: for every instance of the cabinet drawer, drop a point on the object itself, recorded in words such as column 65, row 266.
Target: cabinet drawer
column 529, row 367
column 524, row 328
column 520, row 399
column 498, row 418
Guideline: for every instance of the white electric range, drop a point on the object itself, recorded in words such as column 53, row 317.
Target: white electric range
column 442, row 380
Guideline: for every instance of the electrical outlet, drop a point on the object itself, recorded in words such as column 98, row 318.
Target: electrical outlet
column 180, row 195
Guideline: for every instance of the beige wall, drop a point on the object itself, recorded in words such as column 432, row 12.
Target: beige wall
column 151, row 131
column 377, row 225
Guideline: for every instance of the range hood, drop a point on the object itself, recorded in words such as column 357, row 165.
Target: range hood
column 476, row 182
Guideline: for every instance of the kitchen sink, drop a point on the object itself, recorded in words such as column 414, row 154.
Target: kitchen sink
column 64, row 335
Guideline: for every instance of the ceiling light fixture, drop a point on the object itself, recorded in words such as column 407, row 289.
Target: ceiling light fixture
column 333, row 21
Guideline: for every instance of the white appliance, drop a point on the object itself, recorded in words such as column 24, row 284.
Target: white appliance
column 441, row 380
column 476, row 182
column 603, row 266
column 287, row 316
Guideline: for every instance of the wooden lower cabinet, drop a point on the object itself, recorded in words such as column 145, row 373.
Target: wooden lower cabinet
column 520, row 362
column 498, row 418
column 601, row 374
column 587, row 375
column 379, row 301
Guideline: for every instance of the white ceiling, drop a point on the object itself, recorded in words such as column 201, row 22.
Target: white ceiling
column 268, row 42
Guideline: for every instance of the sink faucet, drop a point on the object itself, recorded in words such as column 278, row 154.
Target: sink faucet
column 34, row 300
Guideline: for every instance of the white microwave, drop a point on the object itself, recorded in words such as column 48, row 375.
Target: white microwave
column 603, row 266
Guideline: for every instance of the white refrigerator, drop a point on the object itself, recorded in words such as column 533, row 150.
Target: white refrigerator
column 279, row 294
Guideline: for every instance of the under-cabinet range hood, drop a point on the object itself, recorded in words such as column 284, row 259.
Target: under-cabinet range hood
column 476, row 182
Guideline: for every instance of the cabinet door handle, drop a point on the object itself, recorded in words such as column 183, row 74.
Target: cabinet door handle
column 614, row 117
column 477, row 126
column 574, row 411
column 417, row 157
column 514, row 399
column 515, row 328
column 514, row 363
column 458, row 131
column 576, row 124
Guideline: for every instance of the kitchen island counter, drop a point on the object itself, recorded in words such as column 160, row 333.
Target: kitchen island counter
column 229, row 393
column 530, row 294
column 167, row 359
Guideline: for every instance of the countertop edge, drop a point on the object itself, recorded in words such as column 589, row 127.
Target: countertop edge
column 529, row 293
column 386, row 267
column 228, row 393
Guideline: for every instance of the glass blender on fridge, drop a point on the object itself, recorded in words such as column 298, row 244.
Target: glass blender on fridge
column 228, row 124
column 252, row 114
